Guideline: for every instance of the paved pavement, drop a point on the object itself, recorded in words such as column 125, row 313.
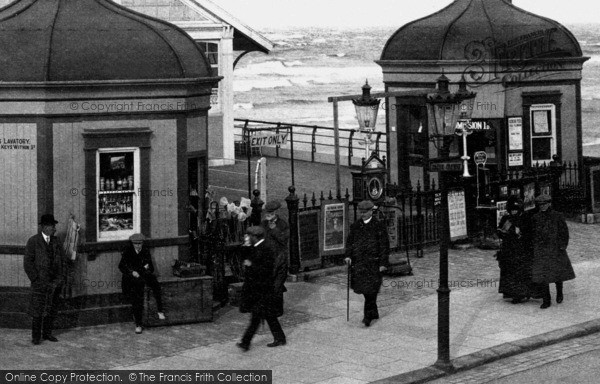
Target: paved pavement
column 323, row 347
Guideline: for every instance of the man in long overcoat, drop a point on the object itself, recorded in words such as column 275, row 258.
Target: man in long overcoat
column 46, row 267
column 367, row 251
column 277, row 236
column 551, row 263
column 258, row 290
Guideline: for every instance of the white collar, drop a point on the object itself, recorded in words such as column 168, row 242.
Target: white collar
column 258, row 242
column 46, row 238
column 367, row 221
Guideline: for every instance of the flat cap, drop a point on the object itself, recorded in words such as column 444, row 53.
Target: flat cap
column 137, row 238
column 543, row 199
column 272, row 206
column 255, row 230
column 365, row 205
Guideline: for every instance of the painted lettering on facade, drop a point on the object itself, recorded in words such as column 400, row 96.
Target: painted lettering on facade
column 11, row 143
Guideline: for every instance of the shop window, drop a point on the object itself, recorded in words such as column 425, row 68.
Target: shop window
column 416, row 134
column 211, row 51
column 543, row 133
column 118, row 203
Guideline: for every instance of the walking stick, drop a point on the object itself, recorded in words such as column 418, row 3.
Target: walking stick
column 348, row 295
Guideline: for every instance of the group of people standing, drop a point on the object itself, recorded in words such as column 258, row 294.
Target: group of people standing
column 533, row 253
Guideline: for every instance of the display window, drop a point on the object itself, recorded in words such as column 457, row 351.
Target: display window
column 543, row 133
column 118, row 208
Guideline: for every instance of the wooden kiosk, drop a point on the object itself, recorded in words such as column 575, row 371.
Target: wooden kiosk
column 106, row 112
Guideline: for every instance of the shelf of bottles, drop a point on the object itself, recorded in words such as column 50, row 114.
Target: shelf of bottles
column 116, row 195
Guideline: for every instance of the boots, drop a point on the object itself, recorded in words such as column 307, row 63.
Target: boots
column 48, row 323
column 559, row 292
column 36, row 330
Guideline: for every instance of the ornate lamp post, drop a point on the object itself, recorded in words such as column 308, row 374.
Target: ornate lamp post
column 366, row 114
column 444, row 110
column 463, row 125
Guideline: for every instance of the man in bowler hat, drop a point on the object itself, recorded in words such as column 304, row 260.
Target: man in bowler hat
column 367, row 252
column 551, row 263
column 258, row 290
column 277, row 236
column 138, row 271
column 46, row 266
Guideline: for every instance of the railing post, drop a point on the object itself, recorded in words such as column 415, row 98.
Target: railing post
column 292, row 201
column 350, row 149
column 256, row 205
column 313, row 144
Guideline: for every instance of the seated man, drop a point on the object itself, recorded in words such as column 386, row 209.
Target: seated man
column 138, row 270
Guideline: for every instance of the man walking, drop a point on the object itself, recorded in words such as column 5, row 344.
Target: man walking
column 46, row 267
column 277, row 236
column 551, row 263
column 258, row 288
column 367, row 252
column 138, row 271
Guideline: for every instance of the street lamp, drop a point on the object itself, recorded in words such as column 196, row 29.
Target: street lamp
column 444, row 110
column 463, row 125
column 366, row 113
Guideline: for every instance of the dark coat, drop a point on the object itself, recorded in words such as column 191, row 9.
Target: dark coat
column 515, row 256
column 368, row 247
column 46, row 267
column 551, row 238
column 130, row 262
column 278, row 239
column 258, row 293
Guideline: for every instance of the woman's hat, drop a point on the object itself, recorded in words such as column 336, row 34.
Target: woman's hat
column 541, row 199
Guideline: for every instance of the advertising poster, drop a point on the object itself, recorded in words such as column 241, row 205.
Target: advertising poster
column 515, row 159
column 500, row 211
column 391, row 221
column 515, row 134
column 529, row 196
column 457, row 214
column 334, row 234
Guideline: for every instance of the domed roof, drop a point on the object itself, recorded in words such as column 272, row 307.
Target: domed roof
column 467, row 28
column 87, row 40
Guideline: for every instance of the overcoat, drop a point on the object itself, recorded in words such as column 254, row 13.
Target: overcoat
column 46, row 267
column 278, row 239
column 515, row 256
column 551, row 237
column 258, row 290
column 368, row 248
column 131, row 261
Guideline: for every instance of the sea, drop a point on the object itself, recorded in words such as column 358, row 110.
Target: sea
column 307, row 65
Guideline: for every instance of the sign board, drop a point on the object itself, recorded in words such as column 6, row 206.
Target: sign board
column 457, row 214
column 480, row 157
column 269, row 140
column 334, row 228
column 515, row 133
column 308, row 236
column 515, row 159
column 441, row 167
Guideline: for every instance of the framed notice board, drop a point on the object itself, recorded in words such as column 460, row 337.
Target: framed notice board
column 334, row 228
column 309, row 238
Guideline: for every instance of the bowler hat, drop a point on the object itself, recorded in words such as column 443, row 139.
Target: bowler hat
column 48, row 219
column 255, row 231
column 272, row 206
column 137, row 238
column 541, row 199
column 365, row 205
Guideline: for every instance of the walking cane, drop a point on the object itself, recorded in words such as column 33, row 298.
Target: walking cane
column 348, row 294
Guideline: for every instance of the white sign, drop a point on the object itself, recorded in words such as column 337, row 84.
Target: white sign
column 457, row 214
column 500, row 211
column 480, row 157
column 515, row 159
column 271, row 140
column 515, row 134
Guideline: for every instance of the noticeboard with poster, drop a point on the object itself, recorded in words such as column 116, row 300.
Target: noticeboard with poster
column 457, row 214
column 309, row 239
column 334, row 228
column 529, row 196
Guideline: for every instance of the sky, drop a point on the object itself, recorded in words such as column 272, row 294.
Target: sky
column 371, row 13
